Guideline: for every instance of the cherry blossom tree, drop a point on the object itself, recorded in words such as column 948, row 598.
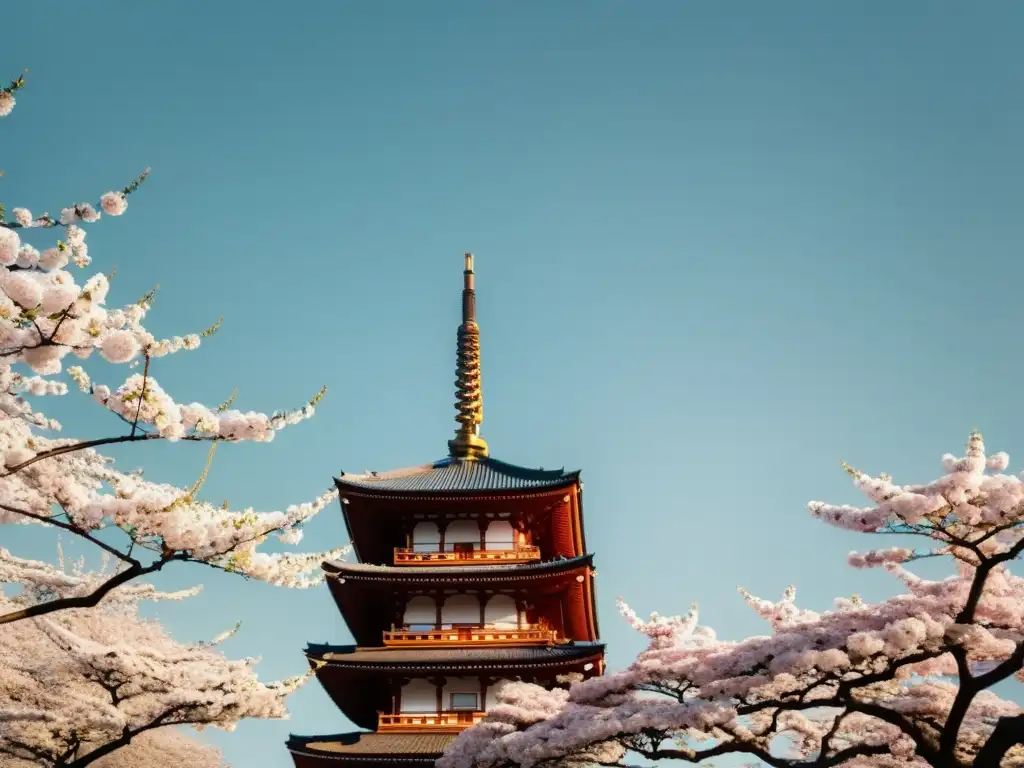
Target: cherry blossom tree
column 163, row 748
column 903, row 682
column 104, row 687
column 66, row 483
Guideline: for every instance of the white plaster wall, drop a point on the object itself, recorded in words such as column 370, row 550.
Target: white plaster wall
column 500, row 535
column 461, row 532
column 420, row 610
column 501, row 612
column 460, row 609
column 419, row 696
column 459, row 685
column 426, row 537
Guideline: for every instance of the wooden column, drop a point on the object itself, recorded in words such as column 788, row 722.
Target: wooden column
column 482, row 523
column 439, row 684
column 400, row 607
column 484, row 682
column 442, row 526
column 482, row 597
column 438, row 604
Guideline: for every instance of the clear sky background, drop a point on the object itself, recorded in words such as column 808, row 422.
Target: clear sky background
column 720, row 247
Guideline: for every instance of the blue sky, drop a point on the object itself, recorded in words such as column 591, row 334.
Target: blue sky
column 720, row 247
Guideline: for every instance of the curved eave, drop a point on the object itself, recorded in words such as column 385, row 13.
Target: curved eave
column 470, row 574
column 429, row 660
column 364, row 747
column 453, row 477
column 472, row 494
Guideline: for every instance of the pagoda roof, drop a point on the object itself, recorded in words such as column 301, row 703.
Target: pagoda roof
column 441, row 659
column 477, row 574
column 365, row 746
column 457, row 475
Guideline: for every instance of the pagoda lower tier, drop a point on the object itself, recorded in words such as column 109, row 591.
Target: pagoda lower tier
column 473, row 605
column 394, row 750
column 437, row 689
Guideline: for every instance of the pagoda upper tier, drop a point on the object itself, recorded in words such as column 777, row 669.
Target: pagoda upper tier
column 389, row 514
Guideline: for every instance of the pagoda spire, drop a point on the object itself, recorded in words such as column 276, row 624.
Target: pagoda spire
column 469, row 400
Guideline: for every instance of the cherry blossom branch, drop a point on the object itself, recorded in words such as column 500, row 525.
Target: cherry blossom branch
column 73, row 214
column 966, row 616
column 134, row 570
column 762, row 754
column 142, row 396
column 125, row 739
column 1008, row 733
column 1011, row 666
column 70, row 527
column 82, row 445
column 84, row 601
column 969, row 685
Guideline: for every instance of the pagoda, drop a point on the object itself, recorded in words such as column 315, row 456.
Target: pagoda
column 470, row 571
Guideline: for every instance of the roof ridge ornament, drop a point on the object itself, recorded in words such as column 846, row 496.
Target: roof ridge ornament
column 469, row 402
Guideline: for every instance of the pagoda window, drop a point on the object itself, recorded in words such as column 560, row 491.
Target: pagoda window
column 460, row 610
column 426, row 537
column 419, row 696
column 500, row 535
column 420, row 613
column 464, row 701
column 462, row 535
column 461, row 693
column 501, row 612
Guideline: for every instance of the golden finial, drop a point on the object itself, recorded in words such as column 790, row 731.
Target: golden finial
column 469, row 402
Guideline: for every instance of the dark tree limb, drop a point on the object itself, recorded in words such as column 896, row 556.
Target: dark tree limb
column 1008, row 733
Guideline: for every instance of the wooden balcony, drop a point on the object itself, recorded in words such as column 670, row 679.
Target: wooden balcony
column 429, row 722
column 462, row 636
column 524, row 553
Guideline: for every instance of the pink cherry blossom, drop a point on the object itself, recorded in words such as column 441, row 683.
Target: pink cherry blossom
column 28, row 257
column 9, row 245
column 114, row 203
column 119, row 346
column 901, row 682
column 104, row 677
column 22, row 288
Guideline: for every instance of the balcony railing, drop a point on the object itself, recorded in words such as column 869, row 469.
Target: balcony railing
column 428, row 721
column 530, row 635
column 524, row 553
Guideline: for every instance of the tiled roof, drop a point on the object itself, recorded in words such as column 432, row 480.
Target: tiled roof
column 404, row 658
column 364, row 744
column 484, row 573
column 458, row 475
